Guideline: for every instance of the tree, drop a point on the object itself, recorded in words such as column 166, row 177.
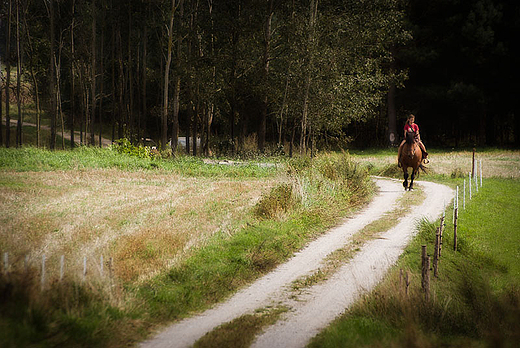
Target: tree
column 18, row 76
column 170, row 34
column 8, row 76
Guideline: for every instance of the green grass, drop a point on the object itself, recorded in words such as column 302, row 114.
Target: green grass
column 476, row 299
column 82, row 158
column 240, row 333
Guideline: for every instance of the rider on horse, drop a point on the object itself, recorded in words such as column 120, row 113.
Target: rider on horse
column 411, row 127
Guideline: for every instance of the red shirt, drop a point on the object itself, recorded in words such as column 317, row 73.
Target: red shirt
column 411, row 128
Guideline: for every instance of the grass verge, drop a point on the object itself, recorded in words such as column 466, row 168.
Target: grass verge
column 241, row 332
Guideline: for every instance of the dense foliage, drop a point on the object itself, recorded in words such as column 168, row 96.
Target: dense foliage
column 284, row 71
column 313, row 74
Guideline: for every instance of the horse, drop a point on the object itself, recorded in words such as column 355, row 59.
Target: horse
column 411, row 156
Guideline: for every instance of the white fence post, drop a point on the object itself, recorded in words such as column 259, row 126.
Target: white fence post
column 84, row 268
column 464, row 195
column 469, row 185
column 62, row 265
column 26, row 264
column 6, row 263
column 480, row 173
column 476, row 179
column 43, row 271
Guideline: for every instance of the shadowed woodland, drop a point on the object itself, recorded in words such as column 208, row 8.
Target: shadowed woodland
column 292, row 76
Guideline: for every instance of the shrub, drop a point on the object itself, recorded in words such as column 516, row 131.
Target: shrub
column 124, row 146
column 457, row 173
column 278, row 201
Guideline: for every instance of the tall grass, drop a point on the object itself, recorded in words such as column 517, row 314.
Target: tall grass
column 476, row 299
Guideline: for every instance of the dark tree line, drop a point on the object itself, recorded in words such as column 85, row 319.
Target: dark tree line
column 286, row 71
column 463, row 71
column 309, row 73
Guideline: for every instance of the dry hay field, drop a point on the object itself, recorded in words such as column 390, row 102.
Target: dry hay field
column 144, row 220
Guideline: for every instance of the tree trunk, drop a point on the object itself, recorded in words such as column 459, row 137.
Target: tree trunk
column 93, row 77
column 282, row 108
column 177, row 84
column 1, row 88
column 101, row 82
column 18, row 77
column 233, row 79
column 164, row 128
column 113, row 56
column 59, row 109
column 144, row 110
column 73, row 80
column 312, row 21
column 121, row 106
column 393, row 135
column 267, row 58
column 131, row 116
column 8, row 76
column 52, row 82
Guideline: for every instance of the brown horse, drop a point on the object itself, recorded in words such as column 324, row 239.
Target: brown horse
column 411, row 156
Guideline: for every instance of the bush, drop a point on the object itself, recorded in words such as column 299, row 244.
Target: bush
column 278, row 201
column 124, row 146
column 457, row 173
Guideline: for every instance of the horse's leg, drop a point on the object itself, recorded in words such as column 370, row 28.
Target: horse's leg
column 405, row 183
column 411, row 180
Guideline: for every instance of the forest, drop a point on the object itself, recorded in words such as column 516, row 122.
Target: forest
column 285, row 75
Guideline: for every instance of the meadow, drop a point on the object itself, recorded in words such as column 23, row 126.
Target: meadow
column 182, row 234
column 176, row 235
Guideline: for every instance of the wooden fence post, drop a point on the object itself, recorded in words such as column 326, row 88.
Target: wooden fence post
column 436, row 253
column 425, row 273
column 441, row 231
column 407, row 282
column 110, row 265
column 473, row 163
column 455, row 230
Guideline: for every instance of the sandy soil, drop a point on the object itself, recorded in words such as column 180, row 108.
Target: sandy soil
column 322, row 303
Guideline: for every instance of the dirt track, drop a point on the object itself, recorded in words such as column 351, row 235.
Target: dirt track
column 325, row 301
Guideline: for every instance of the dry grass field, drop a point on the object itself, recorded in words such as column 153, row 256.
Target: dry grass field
column 495, row 163
column 144, row 220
